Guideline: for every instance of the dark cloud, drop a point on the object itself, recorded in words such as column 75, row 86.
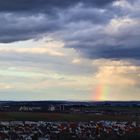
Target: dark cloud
column 112, row 52
column 17, row 27
column 96, row 44
column 45, row 5
column 31, row 19
column 121, row 53
column 90, row 14
column 114, row 35
column 95, row 28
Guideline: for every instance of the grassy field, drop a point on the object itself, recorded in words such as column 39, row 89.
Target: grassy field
column 7, row 116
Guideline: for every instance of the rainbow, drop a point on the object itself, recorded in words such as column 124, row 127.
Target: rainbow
column 100, row 93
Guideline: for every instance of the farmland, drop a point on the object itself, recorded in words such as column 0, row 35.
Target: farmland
column 36, row 116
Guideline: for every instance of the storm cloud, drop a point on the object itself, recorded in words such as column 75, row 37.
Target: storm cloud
column 95, row 28
column 46, row 5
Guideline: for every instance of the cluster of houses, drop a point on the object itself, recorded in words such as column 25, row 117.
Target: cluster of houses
column 29, row 108
column 41, row 130
column 71, row 108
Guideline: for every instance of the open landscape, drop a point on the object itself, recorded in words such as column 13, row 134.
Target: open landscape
column 69, row 69
column 70, row 111
column 37, row 116
column 61, row 120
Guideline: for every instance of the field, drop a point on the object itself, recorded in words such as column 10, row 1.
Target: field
column 7, row 116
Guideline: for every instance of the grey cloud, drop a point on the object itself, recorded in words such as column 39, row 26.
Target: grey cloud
column 86, row 14
column 80, row 24
column 112, row 52
column 96, row 44
column 28, row 19
column 96, row 40
column 45, row 5
column 17, row 28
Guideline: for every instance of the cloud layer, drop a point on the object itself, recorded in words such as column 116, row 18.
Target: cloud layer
column 66, row 49
column 97, row 29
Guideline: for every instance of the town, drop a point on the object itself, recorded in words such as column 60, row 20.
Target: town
column 99, row 108
column 41, row 130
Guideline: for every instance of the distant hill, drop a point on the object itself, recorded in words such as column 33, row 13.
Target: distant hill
column 86, row 103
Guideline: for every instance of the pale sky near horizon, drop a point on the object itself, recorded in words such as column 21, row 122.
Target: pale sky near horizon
column 70, row 50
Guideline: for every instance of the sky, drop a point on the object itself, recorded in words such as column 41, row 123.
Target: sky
column 70, row 50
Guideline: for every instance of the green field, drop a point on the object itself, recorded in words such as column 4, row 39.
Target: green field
column 7, row 116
